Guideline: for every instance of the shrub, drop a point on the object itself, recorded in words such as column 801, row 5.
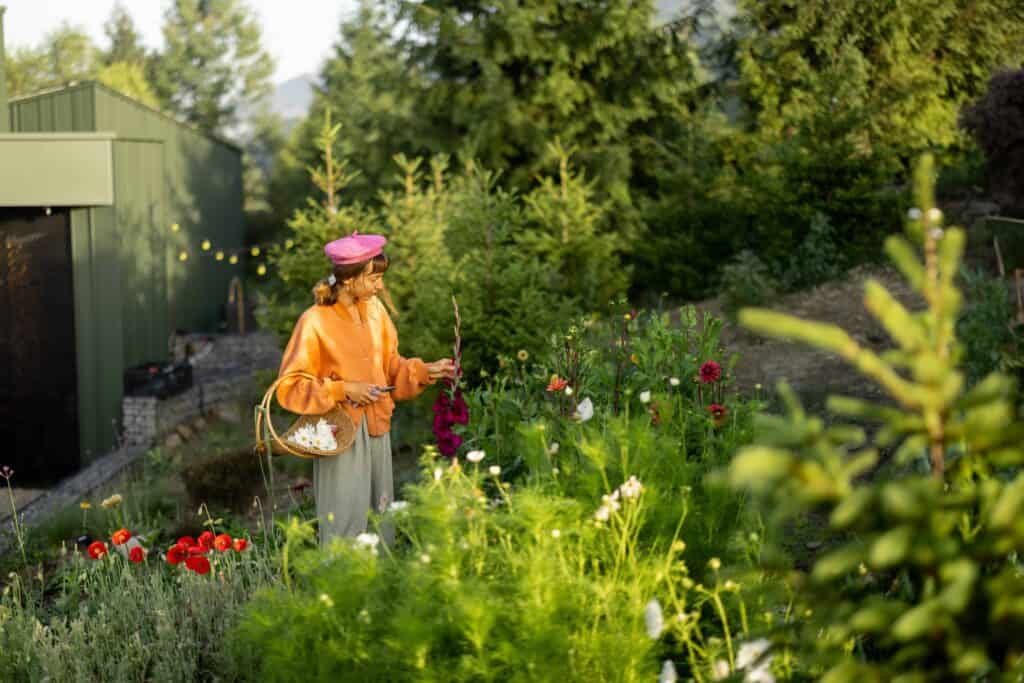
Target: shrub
column 227, row 477
column 996, row 122
column 746, row 281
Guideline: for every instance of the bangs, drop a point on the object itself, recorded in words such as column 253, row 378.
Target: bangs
column 381, row 263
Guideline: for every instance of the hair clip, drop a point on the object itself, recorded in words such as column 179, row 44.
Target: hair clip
column 332, row 280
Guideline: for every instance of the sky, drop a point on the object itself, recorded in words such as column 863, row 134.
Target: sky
column 297, row 33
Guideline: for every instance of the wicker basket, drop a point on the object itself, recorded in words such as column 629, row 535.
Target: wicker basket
column 344, row 435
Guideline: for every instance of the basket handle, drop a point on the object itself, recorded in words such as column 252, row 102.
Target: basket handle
column 264, row 409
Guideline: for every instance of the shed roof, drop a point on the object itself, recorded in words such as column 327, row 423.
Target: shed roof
column 15, row 102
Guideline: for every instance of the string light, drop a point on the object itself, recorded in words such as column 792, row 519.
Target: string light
column 219, row 255
column 175, row 227
column 206, row 245
column 233, row 260
column 255, row 251
column 262, row 270
column 288, row 244
column 183, row 256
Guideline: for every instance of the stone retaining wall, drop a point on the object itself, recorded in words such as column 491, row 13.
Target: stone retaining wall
column 222, row 371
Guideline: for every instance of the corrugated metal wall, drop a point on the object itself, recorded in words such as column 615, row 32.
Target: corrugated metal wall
column 203, row 194
column 98, row 326
column 131, row 291
column 139, row 196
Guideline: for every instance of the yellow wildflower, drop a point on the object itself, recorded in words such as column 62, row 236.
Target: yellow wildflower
column 522, row 355
column 85, row 505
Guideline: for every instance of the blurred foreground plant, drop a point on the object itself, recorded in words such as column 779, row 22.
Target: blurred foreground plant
column 922, row 582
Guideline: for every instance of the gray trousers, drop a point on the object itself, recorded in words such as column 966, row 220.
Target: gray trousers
column 347, row 486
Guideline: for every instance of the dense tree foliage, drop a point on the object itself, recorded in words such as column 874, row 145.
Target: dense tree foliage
column 213, row 62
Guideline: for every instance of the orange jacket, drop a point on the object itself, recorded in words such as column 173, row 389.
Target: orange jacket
column 327, row 343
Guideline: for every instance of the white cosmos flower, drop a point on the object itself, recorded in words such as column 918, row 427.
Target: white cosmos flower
column 645, row 396
column 668, row 672
column 555, row 533
column 632, row 487
column 602, row 513
column 653, row 620
column 751, row 660
column 495, row 470
column 934, row 215
column 914, row 214
column 398, row 506
column 475, row 456
column 553, row 448
column 568, row 391
column 720, row 669
column 585, row 410
column 367, row 540
column 438, row 473
column 674, row 381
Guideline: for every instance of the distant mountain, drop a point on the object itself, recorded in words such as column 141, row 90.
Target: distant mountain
column 292, row 99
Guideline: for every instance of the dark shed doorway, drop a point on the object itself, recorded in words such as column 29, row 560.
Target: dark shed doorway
column 38, row 373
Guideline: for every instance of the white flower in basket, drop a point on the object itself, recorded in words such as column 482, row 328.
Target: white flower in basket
column 320, row 436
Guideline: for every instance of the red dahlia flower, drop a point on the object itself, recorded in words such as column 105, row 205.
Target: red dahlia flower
column 121, row 536
column 97, row 549
column 176, row 553
column 719, row 413
column 710, row 371
column 137, row 554
column 222, row 542
column 198, row 564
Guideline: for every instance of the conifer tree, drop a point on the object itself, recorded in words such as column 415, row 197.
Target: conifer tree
column 213, row 62
column 920, row 580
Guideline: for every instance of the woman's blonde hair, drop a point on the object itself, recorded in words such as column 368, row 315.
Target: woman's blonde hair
column 325, row 292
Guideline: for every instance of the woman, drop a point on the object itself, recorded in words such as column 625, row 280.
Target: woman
column 348, row 341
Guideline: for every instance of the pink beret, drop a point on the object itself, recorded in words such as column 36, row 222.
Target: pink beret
column 354, row 248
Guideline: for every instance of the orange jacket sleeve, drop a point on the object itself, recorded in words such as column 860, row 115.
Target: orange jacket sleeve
column 409, row 376
column 300, row 394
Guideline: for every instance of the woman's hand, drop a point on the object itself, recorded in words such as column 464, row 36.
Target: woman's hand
column 361, row 393
column 441, row 369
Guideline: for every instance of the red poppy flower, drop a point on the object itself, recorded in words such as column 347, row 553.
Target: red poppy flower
column 195, row 550
column 240, row 544
column 176, row 553
column 97, row 549
column 206, row 539
column 198, row 564
column 121, row 536
column 137, row 554
column 719, row 413
column 557, row 383
column 186, row 541
column 222, row 542
column 710, row 371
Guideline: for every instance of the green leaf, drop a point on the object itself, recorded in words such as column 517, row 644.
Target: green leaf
column 916, row 621
column 891, row 547
column 838, row 562
column 851, row 508
column 759, row 467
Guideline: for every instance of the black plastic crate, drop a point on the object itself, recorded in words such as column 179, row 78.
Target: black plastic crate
column 161, row 380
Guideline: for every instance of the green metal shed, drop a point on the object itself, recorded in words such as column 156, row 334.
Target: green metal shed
column 126, row 190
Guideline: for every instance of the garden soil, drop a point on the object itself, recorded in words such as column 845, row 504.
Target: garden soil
column 815, row 374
